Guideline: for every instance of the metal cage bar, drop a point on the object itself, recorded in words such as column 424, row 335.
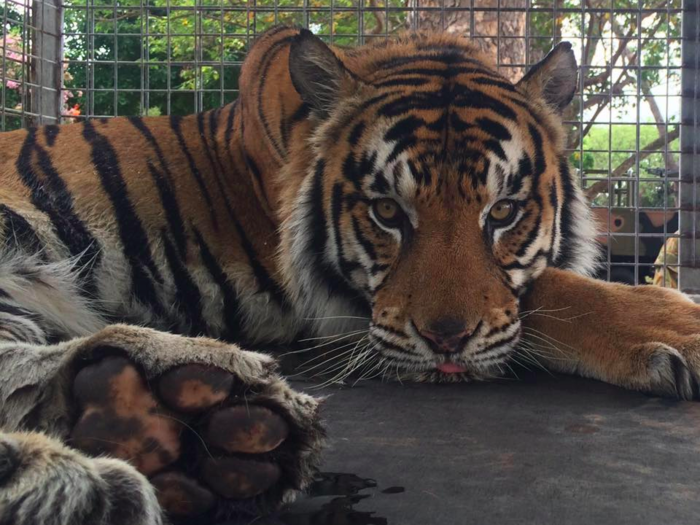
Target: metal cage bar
column 689, row 278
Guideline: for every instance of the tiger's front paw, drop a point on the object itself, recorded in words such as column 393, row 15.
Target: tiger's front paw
column 639, row 337
column 671, row 372
column 209, row 441
column 663, row 356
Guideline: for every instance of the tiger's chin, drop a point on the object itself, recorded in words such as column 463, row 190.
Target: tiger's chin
column 462, row 373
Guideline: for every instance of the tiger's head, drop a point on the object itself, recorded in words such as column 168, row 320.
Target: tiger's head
column 434, row 192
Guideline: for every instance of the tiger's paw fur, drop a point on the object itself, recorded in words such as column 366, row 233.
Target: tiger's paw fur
column 43, row 481
column 672, row 374
column 659, row 356
column 208, row 441
column 643, row 338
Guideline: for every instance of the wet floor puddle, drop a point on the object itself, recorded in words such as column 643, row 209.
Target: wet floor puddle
column 331, row 500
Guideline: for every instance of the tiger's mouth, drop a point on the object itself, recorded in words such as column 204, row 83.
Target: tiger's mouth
column 482, row 361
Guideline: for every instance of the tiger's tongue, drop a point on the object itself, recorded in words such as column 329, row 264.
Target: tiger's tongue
column 451, row 368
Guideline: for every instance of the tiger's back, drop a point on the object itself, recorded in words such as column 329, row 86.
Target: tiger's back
column 148, row 213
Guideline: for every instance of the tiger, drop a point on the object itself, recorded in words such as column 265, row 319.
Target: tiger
column 403, row 190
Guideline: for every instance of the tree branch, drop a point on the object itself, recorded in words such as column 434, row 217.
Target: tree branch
column 603, row 186
column 647, row 150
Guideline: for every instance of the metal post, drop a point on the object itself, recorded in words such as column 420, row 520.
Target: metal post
column 48, row 53
column 689, row 271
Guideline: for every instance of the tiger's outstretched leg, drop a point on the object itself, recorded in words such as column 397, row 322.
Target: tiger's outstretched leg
column 198, row 428
column 640, row 337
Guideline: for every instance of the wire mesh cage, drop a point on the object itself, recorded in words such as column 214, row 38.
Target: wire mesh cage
column 65, row 61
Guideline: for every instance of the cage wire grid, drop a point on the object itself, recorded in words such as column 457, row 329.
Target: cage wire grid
column 632, row 126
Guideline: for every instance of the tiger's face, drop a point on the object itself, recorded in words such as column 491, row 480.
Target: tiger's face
column 438, row 192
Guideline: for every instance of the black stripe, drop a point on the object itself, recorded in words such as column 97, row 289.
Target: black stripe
column 213, row 130
column 270, row 59
column 10, row 309
column 52, row 197
column 569, row 240
column 175, row 124
column 166, row 190
column 287, row 124
column 187, row 294
column 421, row 176
column 231, row 314
column 301, row 114
column 526, row 106
column 410, row 81
column 390, row 346
column 443, row 57
column 516, row 265
column 334, row 282
column 404, row 128
column 228, row 134
column 140, row 125
column 283, row 128
column 495, row 147
column 502, row 342
column 380, row 183
column 391, row 330
column 19, row 232
column 458, row 124
column 265, row 282
column 17, row 332
column 355, row 171
column 493, row 128
column 364, row 242
column 346, row 120
column 496, row 330
column 540, row 163
column 50, row 133
column 494, row 82
column 135, row 242
column 346, row 267
column 172, row 210
column 531, row 236
column 441, row 70
column 214, row 162
column 356, row 133
column 253, row 167
column 515, row 182
column 469, row 98
column 376, row 269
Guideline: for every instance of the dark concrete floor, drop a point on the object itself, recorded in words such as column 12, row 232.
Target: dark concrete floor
column 551, row 450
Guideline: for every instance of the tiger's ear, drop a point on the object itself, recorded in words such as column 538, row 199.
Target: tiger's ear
column 554, row 79
column 317, row 74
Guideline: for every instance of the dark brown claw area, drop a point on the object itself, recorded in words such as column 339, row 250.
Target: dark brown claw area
column 163, row 428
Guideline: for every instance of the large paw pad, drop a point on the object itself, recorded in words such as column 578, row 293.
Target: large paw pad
column 198, row 435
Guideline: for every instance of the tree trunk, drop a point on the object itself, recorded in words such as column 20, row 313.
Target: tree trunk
column 454, row 16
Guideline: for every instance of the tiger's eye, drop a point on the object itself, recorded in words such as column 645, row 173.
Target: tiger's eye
column 503, row 211
column 388, row 212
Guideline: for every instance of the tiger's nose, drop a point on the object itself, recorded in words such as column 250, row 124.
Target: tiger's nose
column 446, row 335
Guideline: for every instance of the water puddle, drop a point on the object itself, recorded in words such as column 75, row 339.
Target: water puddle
column 330, row 501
